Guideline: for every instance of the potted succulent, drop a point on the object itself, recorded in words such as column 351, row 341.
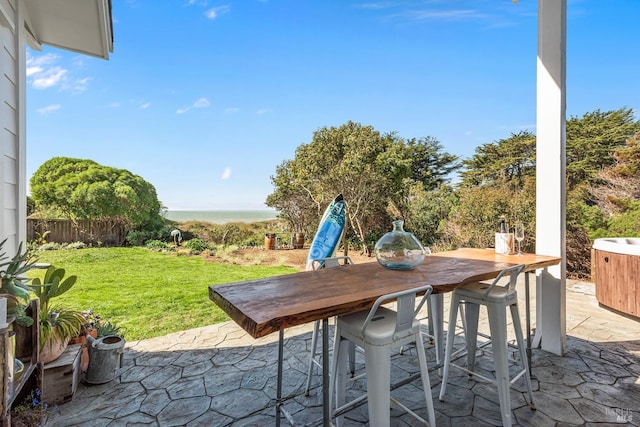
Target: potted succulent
column 58, row 324
column 14, row 288
column 105, row 353
column 95, row 327
column 14, row 284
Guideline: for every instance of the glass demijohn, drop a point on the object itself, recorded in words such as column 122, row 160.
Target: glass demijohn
column 399, row 249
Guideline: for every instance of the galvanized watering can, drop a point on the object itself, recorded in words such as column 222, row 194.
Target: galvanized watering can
column 105, row 358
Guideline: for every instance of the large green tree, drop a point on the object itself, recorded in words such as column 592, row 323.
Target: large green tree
column 499, row 179
column 591, row 141
column 508, row 160
column 374, row 173
column 428, row 212
column 81, row 189
column 615, row 211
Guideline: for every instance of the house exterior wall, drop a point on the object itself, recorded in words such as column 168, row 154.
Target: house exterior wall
column 10, row 149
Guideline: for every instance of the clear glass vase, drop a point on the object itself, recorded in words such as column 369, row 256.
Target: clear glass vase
column 399, row 249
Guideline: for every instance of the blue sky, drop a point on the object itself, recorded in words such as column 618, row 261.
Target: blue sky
column 203, row 99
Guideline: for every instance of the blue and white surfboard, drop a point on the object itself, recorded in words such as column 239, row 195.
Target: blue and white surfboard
column 329, row 231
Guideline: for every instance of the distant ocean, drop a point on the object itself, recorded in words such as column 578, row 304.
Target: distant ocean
column 223, row 217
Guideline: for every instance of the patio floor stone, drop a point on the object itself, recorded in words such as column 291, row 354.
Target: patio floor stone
column 220, row 376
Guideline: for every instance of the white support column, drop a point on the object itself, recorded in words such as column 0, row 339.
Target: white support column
column 551, row 171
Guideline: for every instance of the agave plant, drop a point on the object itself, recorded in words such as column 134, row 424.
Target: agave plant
column 12, row 271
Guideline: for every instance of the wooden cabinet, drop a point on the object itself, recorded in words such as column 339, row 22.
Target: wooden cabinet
column 27, row 346
column 616, row 281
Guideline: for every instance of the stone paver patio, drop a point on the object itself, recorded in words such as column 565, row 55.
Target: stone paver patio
column 219, row 376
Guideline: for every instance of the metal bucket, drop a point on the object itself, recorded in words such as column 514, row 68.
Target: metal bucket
column 105, row 358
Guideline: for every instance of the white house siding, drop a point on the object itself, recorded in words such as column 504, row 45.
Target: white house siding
column 9, row 128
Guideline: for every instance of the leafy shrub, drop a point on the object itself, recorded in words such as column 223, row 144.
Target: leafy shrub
column 76, row 245
column 242, row 234
column 196, row 246
column 51, row 246
column 626, row 224
column 254, row 240
column 138, row 238
column 155, row 244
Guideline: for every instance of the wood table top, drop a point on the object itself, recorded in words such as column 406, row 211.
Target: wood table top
column 264, row 306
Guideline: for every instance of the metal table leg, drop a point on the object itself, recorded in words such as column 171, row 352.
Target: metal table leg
column 326, row 418
column 436, row 302
column 528, row 319
column 326, row 410
column 279, row 387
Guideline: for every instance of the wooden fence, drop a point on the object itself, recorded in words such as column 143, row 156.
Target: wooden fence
column 105, row 233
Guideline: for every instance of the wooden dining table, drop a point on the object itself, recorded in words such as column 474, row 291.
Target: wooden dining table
column 273, row 304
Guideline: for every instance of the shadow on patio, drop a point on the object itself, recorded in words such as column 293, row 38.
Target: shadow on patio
column 218, row 376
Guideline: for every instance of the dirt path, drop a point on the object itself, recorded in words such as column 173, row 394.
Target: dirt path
column 295, row 258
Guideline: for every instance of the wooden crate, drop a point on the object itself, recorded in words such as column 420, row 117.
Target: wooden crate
column 62, row 376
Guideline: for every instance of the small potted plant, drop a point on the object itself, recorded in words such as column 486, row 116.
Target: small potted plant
column 14, row 288
column 105, row 353
column 15, row 284
column 58, row 324
column 95, row 327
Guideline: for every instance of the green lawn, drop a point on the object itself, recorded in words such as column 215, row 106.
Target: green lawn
column 147, row 293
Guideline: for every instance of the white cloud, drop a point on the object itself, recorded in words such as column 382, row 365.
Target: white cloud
column 114, row 105
column 145, row 106
column 231, row 110
column 263, row 111
column 376, row 6
column 49, row 108
column 79, row 86
column 215, row 12
column 226, row 174
column 45, row 72
column 49, row 77
column 40, row 60
column 468, row 133
column 201, row 103
column 33, row 70
column 78, row 61
column 446, row 15
column 202, row 3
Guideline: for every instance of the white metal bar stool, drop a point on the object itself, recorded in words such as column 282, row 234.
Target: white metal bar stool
column 318, row 264
column 377, row 331
column 496, row 299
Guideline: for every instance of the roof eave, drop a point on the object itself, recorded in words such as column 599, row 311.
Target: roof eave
column 85, row 27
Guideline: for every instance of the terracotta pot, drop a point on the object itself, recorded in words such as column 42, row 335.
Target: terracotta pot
column 82, row 339
column 53, row 348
